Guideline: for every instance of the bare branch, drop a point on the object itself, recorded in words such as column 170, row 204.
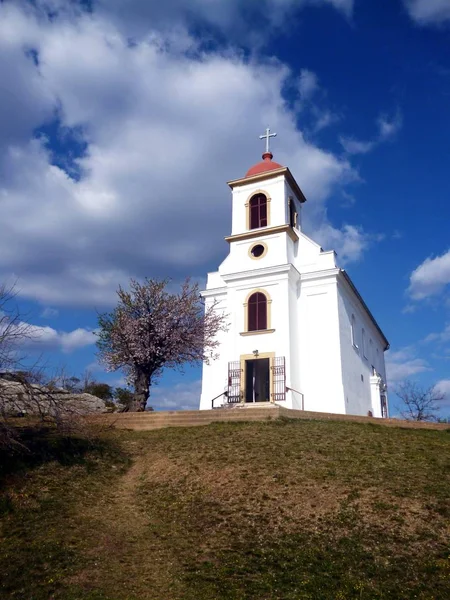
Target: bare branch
column 13, row 329
column 26, row 390
column 422, row 404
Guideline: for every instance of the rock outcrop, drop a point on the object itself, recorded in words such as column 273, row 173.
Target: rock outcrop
column 21, row 398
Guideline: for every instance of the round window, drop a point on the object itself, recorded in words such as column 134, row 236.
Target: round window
column 258, row 250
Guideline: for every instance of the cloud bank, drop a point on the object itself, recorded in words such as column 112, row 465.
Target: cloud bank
column 233, row 16
column 387, row 127
column 404, row 364
column 114, row 151
column 430, row 278
column 443, row 387
column 182, row 396
column 428, row 12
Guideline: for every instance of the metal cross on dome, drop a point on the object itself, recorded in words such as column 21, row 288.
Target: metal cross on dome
column 267, row 137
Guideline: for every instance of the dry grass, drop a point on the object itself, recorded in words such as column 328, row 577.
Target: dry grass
column 281, row 510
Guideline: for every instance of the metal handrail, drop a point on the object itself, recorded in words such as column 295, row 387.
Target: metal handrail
column 299, row 393
column 222, row 394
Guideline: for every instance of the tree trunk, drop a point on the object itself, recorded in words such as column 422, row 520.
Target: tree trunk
column 141, row 392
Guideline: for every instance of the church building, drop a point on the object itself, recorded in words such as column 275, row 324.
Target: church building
column 300, row 335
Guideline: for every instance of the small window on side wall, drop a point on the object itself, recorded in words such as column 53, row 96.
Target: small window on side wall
column 364, row 343
column 257, row 312
column 293, row 215
column 353, row 331
column 258, row 211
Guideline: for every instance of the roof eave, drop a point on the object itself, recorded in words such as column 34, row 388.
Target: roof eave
column 270, row 174
column 360, row 298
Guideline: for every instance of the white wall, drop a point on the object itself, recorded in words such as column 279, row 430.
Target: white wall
column 233, row 344
column 239, row 259
column 311, row 308
column 357, row 364
column 215, row 376
column 319, row 346
column 293, row 358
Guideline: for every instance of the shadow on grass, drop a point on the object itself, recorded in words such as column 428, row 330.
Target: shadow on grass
column 39, row 445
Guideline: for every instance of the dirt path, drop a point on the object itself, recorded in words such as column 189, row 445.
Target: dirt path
column 127, row 559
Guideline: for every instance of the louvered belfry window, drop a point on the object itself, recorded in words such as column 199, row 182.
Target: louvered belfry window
column 258, row 211
column 257, row 312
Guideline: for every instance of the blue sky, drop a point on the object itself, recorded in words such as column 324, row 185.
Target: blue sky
column 120, row 123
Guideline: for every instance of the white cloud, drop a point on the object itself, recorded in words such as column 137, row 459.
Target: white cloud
column 349, row 242
column 36, row 337
column 349, row 199
column 443, row 387
column 47, row 338
column 430, row 278
column 346, row 6
column 352, row 146
column 182, row 396
column 324, row 118
column 409, row 309
column 387, row 127
column 428, row 12
column 165, row 125
column 49, row 313
column 403, row 364
column 308, row 84
column 442, row 337
column 235, row 17
column 312, row 98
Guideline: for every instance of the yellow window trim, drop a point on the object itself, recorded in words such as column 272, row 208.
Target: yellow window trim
column 263, row 231
column 269, row 311
column 262, row 255
column 247, row 209
column 258, row 332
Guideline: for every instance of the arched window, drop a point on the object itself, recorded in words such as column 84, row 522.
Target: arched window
column 257, row 312
column 258, row 211
column 364, row 343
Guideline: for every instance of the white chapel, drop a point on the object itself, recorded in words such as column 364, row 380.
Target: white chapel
column 300, row 335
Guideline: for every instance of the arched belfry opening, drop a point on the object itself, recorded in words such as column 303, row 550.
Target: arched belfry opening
column 258, row 211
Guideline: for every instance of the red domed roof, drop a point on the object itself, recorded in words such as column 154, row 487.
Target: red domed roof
column 267, row 164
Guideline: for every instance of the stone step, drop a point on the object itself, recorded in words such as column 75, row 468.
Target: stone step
column 244, row 417
column 158, row 420
column 205, row 415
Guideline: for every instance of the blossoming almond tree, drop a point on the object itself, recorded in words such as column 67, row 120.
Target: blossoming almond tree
column 152, row 329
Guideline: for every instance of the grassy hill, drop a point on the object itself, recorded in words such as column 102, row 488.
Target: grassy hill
column 276, row 510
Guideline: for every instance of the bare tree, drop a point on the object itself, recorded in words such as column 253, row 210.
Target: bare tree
column 87, row 380
column 13, row 330
column 24, row 388
column 152, row 329
column 422, row 404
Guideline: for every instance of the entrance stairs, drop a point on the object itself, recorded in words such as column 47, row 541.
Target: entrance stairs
column 258, row 411
column 188, row 418
column 252, row 406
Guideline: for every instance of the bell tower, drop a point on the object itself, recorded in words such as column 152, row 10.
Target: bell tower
column 266, row 208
